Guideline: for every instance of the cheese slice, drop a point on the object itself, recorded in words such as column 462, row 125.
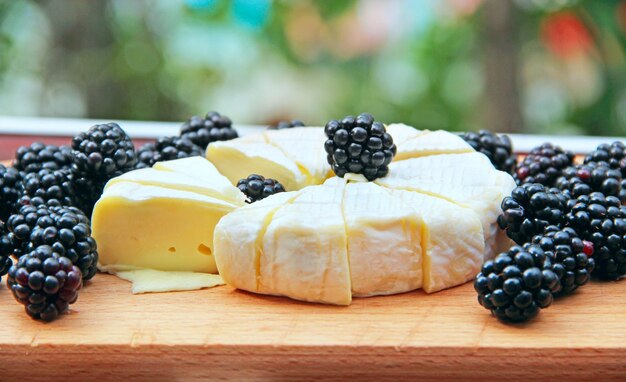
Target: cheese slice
column 402, row 133
column 432, row 143
column 304, row 252
column 182, row 182
column 305, row 146
column 238, row 240
column 469, row 180
column 157, row 228
column 236, row 159
column 201, row 170
column 384, row 241
column 452, row 240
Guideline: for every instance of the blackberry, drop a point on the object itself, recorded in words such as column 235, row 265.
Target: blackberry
column 86, row 193
column 39, row 156
column 102, row 153
column 256, row 187
column 50, row 185
column 591, row 177
column 202, row 131
column 167, row 148
column 6, row 250
column 65, row 229
column 498, row 148
column 10, row 190
column 544, row 164
column 570, row 255
column 601, row 220
column 45, row 282
column 613, row 154
column 517, row 284
column 359, row 145
column 530, row 209
column 287, row 125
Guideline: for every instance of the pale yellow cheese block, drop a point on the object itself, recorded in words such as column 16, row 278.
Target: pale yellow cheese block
column 157, row 228
column 384, row 241
column 304, row 253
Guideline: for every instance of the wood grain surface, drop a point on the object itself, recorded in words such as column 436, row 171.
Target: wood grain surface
column 223, row 333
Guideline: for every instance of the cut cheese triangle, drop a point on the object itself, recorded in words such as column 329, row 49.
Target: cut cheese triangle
column 452, row 240
column 305, row 146
column 402, row 133
column 384, row 241
column 432, row 143
column 133, row 225
column 236, row 159
column 238, row 240
column 304, row 252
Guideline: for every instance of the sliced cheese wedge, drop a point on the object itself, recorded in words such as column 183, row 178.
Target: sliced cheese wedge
column 238, row 240
column 384, row 241
column 236, row 159
column 304, row 252
column 469, row 180
column 153, row 227
column 432, row 143
column 402, row 133
column 201, row 170
column 305, row 146
column 452, row 240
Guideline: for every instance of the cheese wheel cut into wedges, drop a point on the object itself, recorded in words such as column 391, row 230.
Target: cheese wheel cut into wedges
column 432, row 143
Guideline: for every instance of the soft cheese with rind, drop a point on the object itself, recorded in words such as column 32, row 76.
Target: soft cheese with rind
column 402, row 133
column 452, row 242
column 432, row 143
column 304, row 252
column 153, row 227
column 384, row 241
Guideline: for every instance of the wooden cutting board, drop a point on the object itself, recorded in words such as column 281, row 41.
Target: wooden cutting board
column 222, row 333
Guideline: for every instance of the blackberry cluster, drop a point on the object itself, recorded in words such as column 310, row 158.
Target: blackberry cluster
column 202, row 131
column 613, row 154
column 6, row 250
column 45, row 282
column 517, row 284
column 65, row 229
column 54, row 186
column 38, row 156
column 359, row 145
column 287, row 125
column 103, row 152
column 591, row 177
column 167, row 148
column 256, row 187
column 530, row 209
column 544, row 164
column 10, row 190
column 571, row 256
column 498, row 148
column 601, row 220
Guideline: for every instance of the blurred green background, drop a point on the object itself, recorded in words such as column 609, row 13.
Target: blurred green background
column 548, row 66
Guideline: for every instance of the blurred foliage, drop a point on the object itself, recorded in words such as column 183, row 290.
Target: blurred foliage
column 259, row 61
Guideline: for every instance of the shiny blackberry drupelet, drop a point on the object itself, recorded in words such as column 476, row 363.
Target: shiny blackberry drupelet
column 544, row 164
column 601, row 220
column 202, row 131
column 614, row 154
column 287, row 125
column 6, row 250
column 591, row 177
column 359, row 145
column 571, row 257
column 10, row 190
column 54, row 186
column 167, row 148
column 530, row 209
column 498, row 148
column 45, row 282
column 517, row 284
column 103, row 152
column 257, row 187
column 39, row 156
column 65, row 229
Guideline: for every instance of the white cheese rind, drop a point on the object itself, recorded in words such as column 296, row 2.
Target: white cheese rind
column 432, row 143
column 384, row 241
